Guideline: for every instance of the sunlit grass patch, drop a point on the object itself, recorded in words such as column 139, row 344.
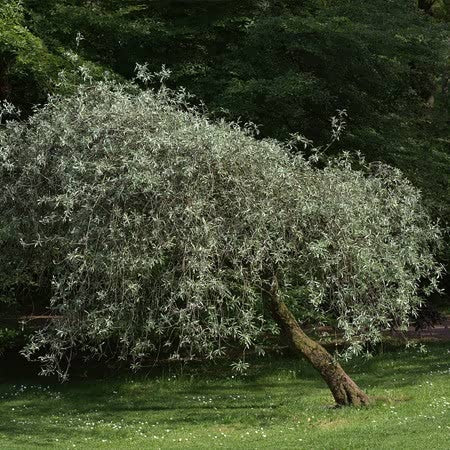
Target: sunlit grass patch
column 280, row 403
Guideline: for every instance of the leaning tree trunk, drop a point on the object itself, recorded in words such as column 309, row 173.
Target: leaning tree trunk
column 344, row 389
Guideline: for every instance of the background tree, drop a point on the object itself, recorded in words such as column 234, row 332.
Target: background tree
column 25, row 62
column 29, row 70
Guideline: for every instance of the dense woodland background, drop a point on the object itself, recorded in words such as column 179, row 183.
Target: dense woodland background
column 286, row 65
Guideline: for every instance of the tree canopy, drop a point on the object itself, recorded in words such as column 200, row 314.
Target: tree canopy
column 161, row 228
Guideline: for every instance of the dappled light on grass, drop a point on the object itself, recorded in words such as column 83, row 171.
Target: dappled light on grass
column 279, row 402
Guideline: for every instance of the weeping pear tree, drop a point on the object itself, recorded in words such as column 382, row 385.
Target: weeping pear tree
column 167, row 232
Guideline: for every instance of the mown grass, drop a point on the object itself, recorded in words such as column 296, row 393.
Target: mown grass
column 280, row 403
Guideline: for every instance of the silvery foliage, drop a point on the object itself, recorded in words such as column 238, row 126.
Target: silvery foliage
column 161, row 227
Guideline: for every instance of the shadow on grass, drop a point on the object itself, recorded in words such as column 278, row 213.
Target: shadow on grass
column 200, row 394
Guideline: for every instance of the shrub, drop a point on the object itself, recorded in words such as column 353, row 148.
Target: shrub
column 8, row 339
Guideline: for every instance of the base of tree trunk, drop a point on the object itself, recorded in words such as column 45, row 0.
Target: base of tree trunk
column 345, row 391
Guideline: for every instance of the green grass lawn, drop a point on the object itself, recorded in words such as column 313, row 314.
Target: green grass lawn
column 280, row 403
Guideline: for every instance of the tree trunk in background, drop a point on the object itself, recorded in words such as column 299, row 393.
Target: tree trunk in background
column 344, row 389
column 5, row 88
column 426, row 5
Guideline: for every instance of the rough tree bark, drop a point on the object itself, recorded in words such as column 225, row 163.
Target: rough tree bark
column 344, row 389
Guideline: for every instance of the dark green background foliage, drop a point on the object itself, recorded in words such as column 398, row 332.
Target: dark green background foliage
column 287, row 65
column 25, row 62
column 29, row 67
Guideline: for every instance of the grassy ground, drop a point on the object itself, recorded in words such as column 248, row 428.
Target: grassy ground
column 280, row 403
